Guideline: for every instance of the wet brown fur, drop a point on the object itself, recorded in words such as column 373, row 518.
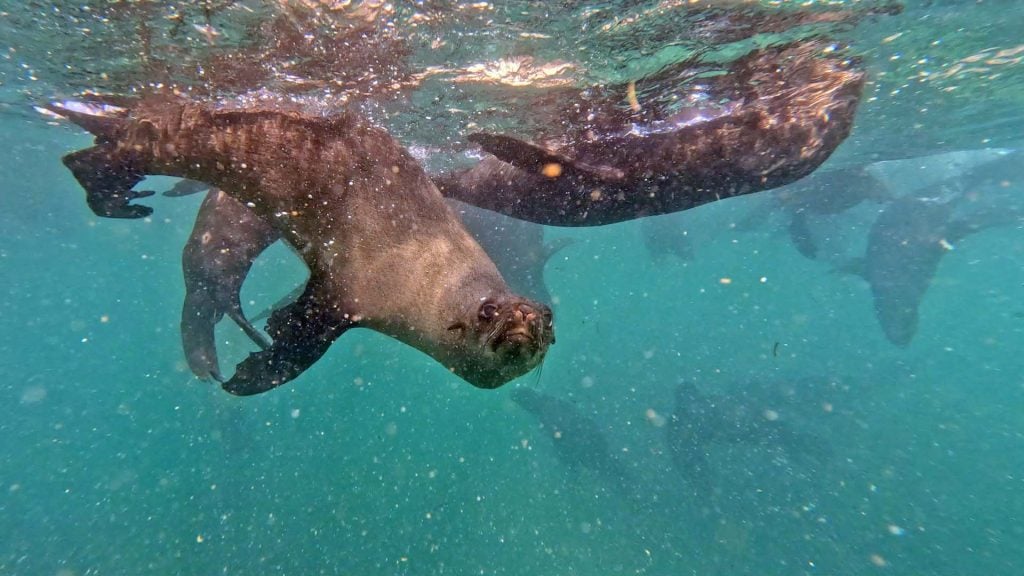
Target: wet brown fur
column 794, row 107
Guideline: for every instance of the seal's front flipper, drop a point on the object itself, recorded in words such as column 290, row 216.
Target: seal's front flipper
column 538, row 159
column 199, row 316
column 108, row 180
column 302, row 332
column 800, row 234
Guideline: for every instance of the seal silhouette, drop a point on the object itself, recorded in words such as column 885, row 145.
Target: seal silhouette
column 772, row 118
column 384, row 250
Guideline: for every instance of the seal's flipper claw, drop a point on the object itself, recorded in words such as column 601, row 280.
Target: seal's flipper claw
column 134, row 194
column 108, row 181
column 538, row 159
column 302, row 333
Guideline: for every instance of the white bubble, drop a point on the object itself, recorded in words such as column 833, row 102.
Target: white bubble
column 33, row 395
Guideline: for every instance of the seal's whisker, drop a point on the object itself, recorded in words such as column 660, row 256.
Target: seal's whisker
column 540, row 372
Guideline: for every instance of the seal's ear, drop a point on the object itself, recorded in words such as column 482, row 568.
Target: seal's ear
column 538, row 159
column 302, row 333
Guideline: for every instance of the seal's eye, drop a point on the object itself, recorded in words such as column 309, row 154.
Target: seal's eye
column 488, row 310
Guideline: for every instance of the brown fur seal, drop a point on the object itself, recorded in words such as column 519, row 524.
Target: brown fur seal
column 225, row 241
column 228, row 237
column 384, row 250
column 772, row 118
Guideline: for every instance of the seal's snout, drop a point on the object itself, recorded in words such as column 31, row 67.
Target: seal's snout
column 514, row 333
column 522, row 325
column 525, row 331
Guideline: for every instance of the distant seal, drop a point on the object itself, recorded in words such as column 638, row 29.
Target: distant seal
column 225, row 241
column 665, row 236
column 912, row 234
column 905, row 245
column 772, row 118
column 383, row 249
column 578, row 440
column 824, row 194
column 701, row 420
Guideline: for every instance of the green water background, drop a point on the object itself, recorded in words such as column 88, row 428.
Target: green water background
column 378, row 461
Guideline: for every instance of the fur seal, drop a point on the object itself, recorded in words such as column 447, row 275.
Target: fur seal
column 701, row 420
column 578, row 440
column 905, row 245
column 773, row 118
column 911, row 235
column 384, row 250
column 228, row 237
column 665, row 236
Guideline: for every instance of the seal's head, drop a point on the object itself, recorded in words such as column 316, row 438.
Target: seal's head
column 502, row 337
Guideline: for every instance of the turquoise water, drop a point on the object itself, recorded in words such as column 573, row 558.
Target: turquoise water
column 378, row 461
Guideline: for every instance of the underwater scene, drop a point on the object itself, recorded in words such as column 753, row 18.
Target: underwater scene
column 660, row 287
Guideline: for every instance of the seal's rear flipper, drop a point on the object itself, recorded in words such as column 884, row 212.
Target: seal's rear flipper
column 106, row 175
column 302, row 333
column 537, row 159
column 108, row 180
